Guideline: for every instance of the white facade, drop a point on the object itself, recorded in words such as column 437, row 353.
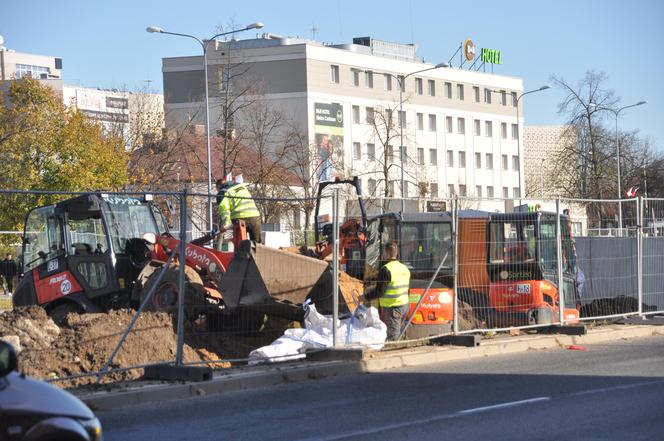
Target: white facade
column 301, row 76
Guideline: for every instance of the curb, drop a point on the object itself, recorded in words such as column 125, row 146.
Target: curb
column 371, row 362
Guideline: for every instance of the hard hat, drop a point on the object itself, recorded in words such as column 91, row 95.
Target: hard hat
column 239, row 179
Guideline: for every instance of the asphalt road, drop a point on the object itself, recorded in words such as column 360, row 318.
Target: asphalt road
column 611, row 391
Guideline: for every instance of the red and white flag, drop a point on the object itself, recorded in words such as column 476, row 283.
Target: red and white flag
column 631, row 193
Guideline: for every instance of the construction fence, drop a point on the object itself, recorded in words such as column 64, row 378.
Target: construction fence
column 476, row 265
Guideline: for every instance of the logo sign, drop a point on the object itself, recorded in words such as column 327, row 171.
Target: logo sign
column 469, row 49
column 328, row 115
column 52, row 265
column 491, row 56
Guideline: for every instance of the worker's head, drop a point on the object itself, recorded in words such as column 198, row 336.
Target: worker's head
column 390, row 250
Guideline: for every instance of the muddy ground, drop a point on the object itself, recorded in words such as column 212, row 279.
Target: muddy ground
column 83, row 343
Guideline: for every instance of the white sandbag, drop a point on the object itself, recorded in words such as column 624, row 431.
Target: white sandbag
column 364, row 328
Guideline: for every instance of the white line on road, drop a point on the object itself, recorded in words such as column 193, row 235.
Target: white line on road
column 612, row 388
column 503, row 405
column 384, row 428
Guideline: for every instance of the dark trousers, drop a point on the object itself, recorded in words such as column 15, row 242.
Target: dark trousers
column 10, row 283
column 394, row 318
column 254, row 228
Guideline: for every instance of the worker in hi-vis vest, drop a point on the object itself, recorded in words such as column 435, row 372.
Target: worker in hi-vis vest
column 391, row 290
column 235, row 203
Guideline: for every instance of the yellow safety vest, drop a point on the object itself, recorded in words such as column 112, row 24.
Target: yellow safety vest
column 396, row 293
column 237, row 204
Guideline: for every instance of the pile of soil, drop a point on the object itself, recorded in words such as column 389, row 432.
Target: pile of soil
column 84, row 342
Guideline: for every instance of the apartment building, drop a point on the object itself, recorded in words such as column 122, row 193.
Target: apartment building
column 460, row 128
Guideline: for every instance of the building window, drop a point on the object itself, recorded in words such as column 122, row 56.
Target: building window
column 450, row 158
column 402, row 83
column 420, row 121
column 448, row 124
column 462, row 190
column 515, row 163
column 369, row 111
column 478, row 191
column 488, row 129
column 478, row 160
column 506, row 192
column 334, row 74
column 489, row 161
column 356, row 77
column 403, row 148
column 420, row 156
column 503, row 130
column 432, row 87
column 390, row 188
column 450, row 190
column 371, row 184
column 515, row 131
column 388, row 81
column 461, row 125
column 503, row 97
column 356, row 114
column 371, row 152
column 462, row 159
column 402, row 118
column 478, row 125
column 357, row 151
column 476, row 92
column 489, row 191
column 389, row 118
column 434, row 189
column 36, row 72
column 448, row 90
column 514, row 99
column 432, row 123
column 487, row 96
column 460, row 91
column 405, row 189
column 504, row 158
column 368, row 79
column 418, row 86
column 433, row 157
column 516, row 192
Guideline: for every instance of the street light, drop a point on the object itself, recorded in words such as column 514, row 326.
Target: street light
column 204, row 43
column 402, row 121
column 616, row 112
column 518, row 133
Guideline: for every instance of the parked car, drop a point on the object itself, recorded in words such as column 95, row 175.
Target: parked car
column 32, row 410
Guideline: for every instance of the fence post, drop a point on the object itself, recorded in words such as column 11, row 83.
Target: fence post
column 639, row 253
column 455, row 238
column 181, row 284
column 335, row 267
column 559, row 252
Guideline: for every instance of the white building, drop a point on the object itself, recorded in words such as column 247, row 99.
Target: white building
column 460, row 129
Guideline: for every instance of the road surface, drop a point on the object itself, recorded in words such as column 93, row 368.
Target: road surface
column 612, row 391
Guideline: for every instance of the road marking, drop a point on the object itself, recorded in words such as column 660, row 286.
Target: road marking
column 612, row 388
column 384, row 428
column 503, row 405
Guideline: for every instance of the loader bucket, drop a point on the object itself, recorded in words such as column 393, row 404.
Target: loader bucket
column 242, row 283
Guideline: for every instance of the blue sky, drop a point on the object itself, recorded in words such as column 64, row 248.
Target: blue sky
column 104, row 43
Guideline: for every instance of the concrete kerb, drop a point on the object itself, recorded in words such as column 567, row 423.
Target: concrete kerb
column 372, row 362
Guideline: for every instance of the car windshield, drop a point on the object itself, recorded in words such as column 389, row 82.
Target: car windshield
column 128, row 218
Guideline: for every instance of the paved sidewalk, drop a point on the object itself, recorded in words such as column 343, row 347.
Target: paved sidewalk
column 368, row 361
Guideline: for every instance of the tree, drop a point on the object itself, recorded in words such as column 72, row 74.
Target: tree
column 45, row 146
column 586, row 165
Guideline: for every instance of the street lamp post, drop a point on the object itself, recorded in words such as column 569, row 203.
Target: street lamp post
column 518, row 134
column 401, row 80
column 204, row 44
column 616, row 112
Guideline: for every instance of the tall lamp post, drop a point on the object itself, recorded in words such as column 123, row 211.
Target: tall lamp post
column 402, row 122
column 204, row 46
column 518, row 133
column 616, row 112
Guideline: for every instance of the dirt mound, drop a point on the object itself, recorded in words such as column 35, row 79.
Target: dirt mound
column 84, row 342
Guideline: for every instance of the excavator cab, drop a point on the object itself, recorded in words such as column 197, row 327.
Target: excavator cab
column 78, row 254
column 425, row 244
column 523, row 269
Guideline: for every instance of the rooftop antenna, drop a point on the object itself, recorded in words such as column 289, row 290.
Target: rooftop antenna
column 314, row 30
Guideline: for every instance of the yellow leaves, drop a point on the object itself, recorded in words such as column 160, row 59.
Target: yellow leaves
column 45, row 146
